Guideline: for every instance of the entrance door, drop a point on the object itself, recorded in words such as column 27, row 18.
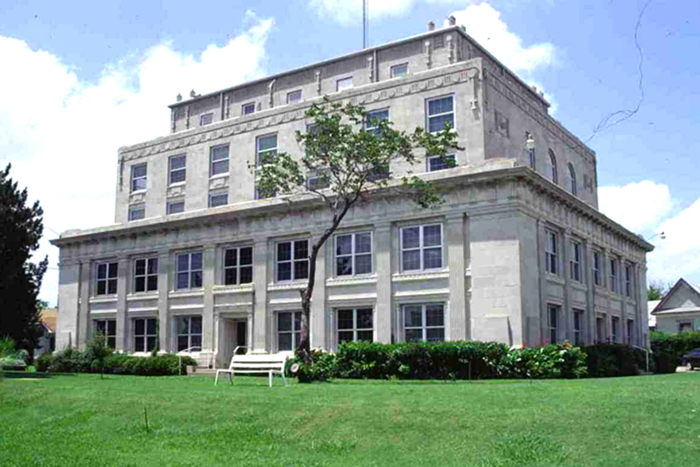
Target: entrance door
column 242, row 335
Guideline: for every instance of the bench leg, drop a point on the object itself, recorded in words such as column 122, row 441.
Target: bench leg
column 270, row 379
column 216, row 381
column 284, row 379
column 230, row 378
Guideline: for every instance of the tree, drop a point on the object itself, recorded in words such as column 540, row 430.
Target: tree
column 97, row 351
column 21, row 228
column 657, row 290
column 347, row 160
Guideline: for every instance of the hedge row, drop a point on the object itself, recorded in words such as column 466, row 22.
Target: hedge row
column 77, row 361
column 669, row 348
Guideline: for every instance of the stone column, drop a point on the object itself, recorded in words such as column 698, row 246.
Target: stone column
column 164, row 324
column 123, row 280
column 567, row 312
column 589, row 317
column 260, row 279
column 384, row 310
column 208, row 279
column 455, row 259
column 542, row 271
column 83, row 324
column 642, row 324
column 320, row 334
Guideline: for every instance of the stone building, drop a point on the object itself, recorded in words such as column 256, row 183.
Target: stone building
column 518, row 252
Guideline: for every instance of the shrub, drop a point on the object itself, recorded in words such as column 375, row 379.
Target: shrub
column 323, row 367
column 669, row 348
column 552, row 361
column 7, row 347
column 607, row 360
column 44, row 361
column 12, row 364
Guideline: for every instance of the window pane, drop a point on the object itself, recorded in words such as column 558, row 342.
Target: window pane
column 177, row 162
column 434, row 315
column 363, row 242
column 182, row 325
column 183, row 280
column 411, row 237
column 344, row 266
column 196, row 325
column 182, row 343
column 345, row 320
column 414, row 335
column 152, row 283
column 432, row 258
column 176, row 207
column 140, row 284
column 344, row 83
column 439, row 106
column 177, row 176
column 230, row 276
column 436, row 335
column 345, row 336
column 267, row 142
column 301, row 249
column 196, row 341
column 220, row 167
column 246, row 255
column 183, row 262
column 284, row 321
column 294, row 96
column 432, row 235
column 140, row 267
column 196, row 261
column 301, row 269
column 284, row 341
column 100, row 327
column 101, row 287
column 284, row 251
column 399, row 71
column 411, row 260
column 284, row 271
column 101, row 271
column 151, row 326
column 343, row 245
column 248, row 109
column 196, row 279
column 441, row 163
column 112, row 270
column 153, row 266
column 363, row 264
column 138, row 344
column 365, row 336
column 438, row 123
column 218, row 200
column 219, row 153
column 150, row 343
column 138, row 170
column 414, row 316
column 246, row 273
column 112, row 286
column 364, row 318
column 230, row 258
column 111, row 327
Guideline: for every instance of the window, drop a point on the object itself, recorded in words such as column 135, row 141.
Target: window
column 353, row 254
column 293, row 260
column 343, row 83
column 175, row 207
column 178, row 169
column 628, row 280
column 355, row 325
column 106, row 278
column 600, row 329
column 399, row 71
column 578, row 328
column 206, row 119
column 137, row 212
column 424, row 322
column 684, row 326
column 139, row 177
column 615, row 328
column 189, row 270
column 288, row 330
column 421, row 247
column 146, row 275
column 108, row 328
column 440, row 113
column 266, row 148
column 575, row 262
column 614, row 284
column 248, row 109
column 553, row 322
column 630, row 331
column 551, row 252
column 553, row 174
column 598, row 268
column 373, row 119
column 238, row 265
column 189, row 333
column 294, row 96
column 319, row 180
column 572, row 180
column 218, row 199
column 218, row 160
column 145, row 334
column 441, row 162
column 379, row 172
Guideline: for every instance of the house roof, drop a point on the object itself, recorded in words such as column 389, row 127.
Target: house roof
column 673, row 311
column 659, row 308
column 49, row 317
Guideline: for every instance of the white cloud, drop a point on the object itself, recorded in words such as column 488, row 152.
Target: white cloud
column 62, row 134
column 349, row 12
column 637, row 206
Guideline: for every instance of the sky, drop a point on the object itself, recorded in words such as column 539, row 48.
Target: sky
column 80, row 79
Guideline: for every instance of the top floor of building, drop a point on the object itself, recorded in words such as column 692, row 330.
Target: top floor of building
column 442, row 76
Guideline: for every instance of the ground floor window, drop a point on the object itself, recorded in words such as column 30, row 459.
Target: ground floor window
column 288, row 330
column 600, row 329
column 145, row 334
column 578, row 328
column 189, row 333
column 685, row 326
column 355, row 325
column 552, row 323
column 424, row 322
column 108, row 328
column 630, row 331
column 615, row 328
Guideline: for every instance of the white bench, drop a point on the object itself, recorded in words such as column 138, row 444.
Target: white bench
column 255, row 363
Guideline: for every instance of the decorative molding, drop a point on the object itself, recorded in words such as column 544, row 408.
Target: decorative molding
column 233, row 289
column 428, row 54
column 271, row 93
column 233, row 305
column 291, row 286
column 149, row 309
column 176, row 191
column 341, row 282
column 185, row 294
column 95, row 300
column 317, row 75
column 422, row 276
column 139, row 297
column 285, row 301
column 421, row 293
column 189, row 306
column 352, row 297
column 136, row 198
column 103, row 312
column 370, row 65
column 218, row 182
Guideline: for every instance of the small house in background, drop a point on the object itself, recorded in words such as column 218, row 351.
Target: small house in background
column 678, row 310
column 47, row 342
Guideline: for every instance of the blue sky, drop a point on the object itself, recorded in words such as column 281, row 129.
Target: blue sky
column 87, row 77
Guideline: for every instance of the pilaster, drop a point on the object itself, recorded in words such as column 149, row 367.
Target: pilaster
column 208, row 328
column 567, row 313
column 122, row 289
column 84, row 304
column 384, row 308
column 589, row 317
column 164, row 324
column 541, row 273
column 260, row 279
column 319, row 330
column 456, row 242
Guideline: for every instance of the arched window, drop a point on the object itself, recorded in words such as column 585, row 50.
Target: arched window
column 572, row 180
column 553, row 167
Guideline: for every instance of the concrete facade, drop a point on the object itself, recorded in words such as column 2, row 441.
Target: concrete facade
column 519, row 233
column 679, row 310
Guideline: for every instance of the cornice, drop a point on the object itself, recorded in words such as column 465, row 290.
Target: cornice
column 232, row 289
column 422, row 276
column 360, row 280
column 290, row 286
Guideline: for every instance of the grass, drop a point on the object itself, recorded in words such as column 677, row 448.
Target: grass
column 84, row 421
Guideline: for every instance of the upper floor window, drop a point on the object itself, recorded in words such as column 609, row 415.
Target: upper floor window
column 294, row 96
column 238, row 265
column 177, row 166
column 175, row 207
column 343, row 83
column 206, row 119
column 440, row 113
column 108, row 328
column 353, row 254
column 218, row 199
column 373, row 119
column 614, row 284
column 553, row 173
column 573, row 188
column 139, row 177
column 137, row 212
column 598, row 268
column 145, row 334
column 441, row 162
column 248, row 109
column 266, row 148
column 189, row 270
column 293, row 260
column 189, row 333
column 421, row 247
column 146, row 275
column 218, row 160
column 575, row 263
column 355, row 325
column 628, row 280
column 424, row 322
column 551, row 252
column 106, row 283
column 288, row 330
column 399, row 71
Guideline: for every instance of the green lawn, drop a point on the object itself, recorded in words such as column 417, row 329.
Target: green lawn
column 84, row 421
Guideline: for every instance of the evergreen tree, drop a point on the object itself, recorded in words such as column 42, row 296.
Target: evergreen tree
column 21, row 228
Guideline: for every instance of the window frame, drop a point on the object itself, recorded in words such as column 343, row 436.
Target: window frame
column 290, row 93
column 189, row 332
column 598, row 268
column 292, row 260
column 553, row 328
column 144, row 348
column 172, row 171
column 217, row 195
column 146, row 275
column 578, row 327
column 344, row 79
column 368, row 120
column 392, row 74
column 107, row 279
column 422, row 247
column 134, row 209
column 227, row 159
column 245, row 106
column 614, row 328
column 551, row 257
column 628, row 280
column 424, row 322
column 189, row 270
column 354, row 329
column 428, row 159
column 353, row 253
column 203, row 117
column 169, row 204
column 614, row 275
column 575, row 263
column 110, row 339
column 294, row 332
column 238, row 266
column 143, row 177
column 258, row 152
column 630, row 331
column 453, row 112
